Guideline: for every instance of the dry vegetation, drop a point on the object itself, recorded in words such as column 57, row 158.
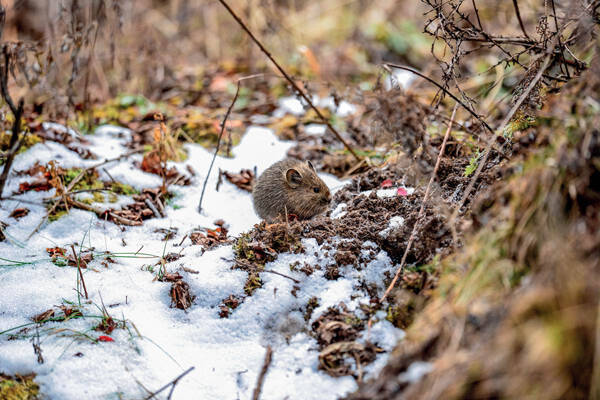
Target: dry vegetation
column 500, row 290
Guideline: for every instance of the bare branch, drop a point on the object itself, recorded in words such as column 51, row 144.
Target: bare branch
column 237, row 92
column 516, row 5
column 263, row 372
column 290, row 80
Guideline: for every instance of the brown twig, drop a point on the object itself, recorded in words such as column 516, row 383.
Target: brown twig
column 491, row 140
column 99, row 212
column 237, row 92
column 78, row 259
column 290, row 80
column 280, row 274
column 263, row 372
column 173, row 383
column 413, row 234
column 477, row 14
column 560, row 44
column 516, row 6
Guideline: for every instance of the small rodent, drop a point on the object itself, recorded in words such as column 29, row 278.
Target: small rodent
column 293, row 185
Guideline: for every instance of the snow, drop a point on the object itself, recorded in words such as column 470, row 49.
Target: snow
column 339, row 211
column 227, row 353
column 401, row 78
column 395, row 223
column 392, row 192
column 315, row 129
column 415, row 372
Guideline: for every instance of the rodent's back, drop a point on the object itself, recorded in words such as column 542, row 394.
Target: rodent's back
column 293, row 185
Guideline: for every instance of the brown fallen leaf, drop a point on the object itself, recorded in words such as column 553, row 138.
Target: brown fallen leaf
column 19, row 213
column 180, row 295
column 107, row 325
column 56, row 252
column 210, row 238
column 43, row 316
column 172, row 277
column 84, row 259
column 244, row 179
column 39, row 185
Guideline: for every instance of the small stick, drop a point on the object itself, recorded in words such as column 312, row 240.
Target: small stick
column 99, row 212
column 516, row 5
column 173, row 382
column 413, row 234
column 109, row 175
column 80, row 273
column 477, row 14
column 237, row 92
column 289, row 79
column 151, row 207
column 280, row 274
column 263, row 372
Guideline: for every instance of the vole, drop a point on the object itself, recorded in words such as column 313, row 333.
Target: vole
column 293, row 185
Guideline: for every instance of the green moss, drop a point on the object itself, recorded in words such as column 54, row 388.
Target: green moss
column 252, row 283
column 519, row 123
column 18, row 387
column 123, row 188
column 98, row 197
column 55, row 216
column 88, row 181
column 402, row 313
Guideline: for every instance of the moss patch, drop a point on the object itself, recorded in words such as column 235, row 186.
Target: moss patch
column 18, row 387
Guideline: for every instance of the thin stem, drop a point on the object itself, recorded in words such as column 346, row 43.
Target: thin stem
column 289, row 79
column 413, row 234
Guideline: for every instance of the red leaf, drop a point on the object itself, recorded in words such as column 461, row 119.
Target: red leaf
column 402, row 192
column 105, row 339
column 387, row 183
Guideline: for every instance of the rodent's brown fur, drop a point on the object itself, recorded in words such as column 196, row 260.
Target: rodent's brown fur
column 290, row 184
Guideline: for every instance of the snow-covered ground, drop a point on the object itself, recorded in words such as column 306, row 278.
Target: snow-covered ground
column 227, row 353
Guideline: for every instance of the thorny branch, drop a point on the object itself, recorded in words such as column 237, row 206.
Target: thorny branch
column 453, row 26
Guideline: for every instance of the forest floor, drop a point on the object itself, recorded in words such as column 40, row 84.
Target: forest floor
column 115, row 285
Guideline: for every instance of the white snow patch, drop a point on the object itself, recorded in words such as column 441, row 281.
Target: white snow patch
column 415, row 372
column 227, row 353
column 339, row 211
column 400, row 78
column 315, row 129
column 289, row 105
column 395, row 223
column 392, row 192
column 60, row 128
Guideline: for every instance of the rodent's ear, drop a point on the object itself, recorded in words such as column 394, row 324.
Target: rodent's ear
column 311, row 165
column 293, row 177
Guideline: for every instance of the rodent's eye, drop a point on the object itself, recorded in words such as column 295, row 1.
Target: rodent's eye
column 316, row 189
